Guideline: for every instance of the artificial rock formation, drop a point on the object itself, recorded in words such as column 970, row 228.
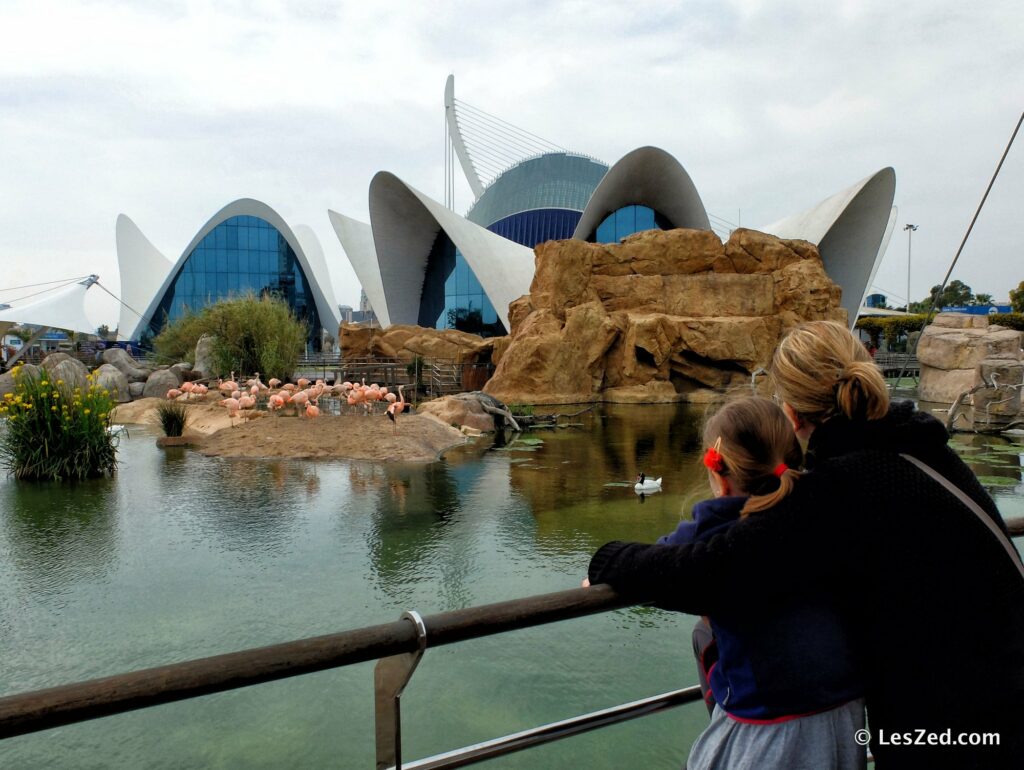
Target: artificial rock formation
column 952, row 350
column 406, row 342
column 664, row 316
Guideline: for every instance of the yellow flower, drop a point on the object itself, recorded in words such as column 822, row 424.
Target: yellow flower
column 53, row 408
column 43, row 382
column 88, row 410
column 60, row 382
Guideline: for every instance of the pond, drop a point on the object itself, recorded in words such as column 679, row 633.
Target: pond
column 181, row 556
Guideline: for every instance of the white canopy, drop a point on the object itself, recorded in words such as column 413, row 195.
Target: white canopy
column 60, row 308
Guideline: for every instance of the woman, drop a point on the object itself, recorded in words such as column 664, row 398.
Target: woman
column 932, row 602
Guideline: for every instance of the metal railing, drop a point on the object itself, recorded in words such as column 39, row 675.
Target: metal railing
column 398, row 646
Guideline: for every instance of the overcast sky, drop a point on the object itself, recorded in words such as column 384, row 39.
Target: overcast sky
column 166, row 111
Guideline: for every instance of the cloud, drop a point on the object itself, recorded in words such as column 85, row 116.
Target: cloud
column 167, row 111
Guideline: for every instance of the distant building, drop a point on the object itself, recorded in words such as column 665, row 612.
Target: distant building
column 978, row 309
column 345, row 313
column 876, row 300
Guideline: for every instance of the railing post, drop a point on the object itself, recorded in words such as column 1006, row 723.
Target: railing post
column 390, row 676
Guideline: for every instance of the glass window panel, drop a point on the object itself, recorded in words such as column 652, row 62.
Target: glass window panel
column 231, row 237
column 232, row 260
column 221, row 236
column 644, row 218
column 606, row 230
column 254, row 238
column 199, row 285
column 222, row 262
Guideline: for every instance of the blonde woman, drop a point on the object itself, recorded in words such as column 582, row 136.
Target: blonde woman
column 899, row 537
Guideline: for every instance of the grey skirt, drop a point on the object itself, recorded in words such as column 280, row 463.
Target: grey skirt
column 822, row 741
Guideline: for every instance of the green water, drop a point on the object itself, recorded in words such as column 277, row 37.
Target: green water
column 182, row 556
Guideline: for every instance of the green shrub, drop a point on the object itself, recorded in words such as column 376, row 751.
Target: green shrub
column 251, row 334
column 172, row 415
column 1010, row 320
column 893, row 328
column 54, row 432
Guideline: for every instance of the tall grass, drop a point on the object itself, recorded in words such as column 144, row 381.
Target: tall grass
column 172, row 416
column 251, row 334
column 55, row 432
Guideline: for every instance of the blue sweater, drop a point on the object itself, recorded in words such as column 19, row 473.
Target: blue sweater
column 773, row 665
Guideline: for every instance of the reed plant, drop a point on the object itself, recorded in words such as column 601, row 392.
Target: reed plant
column 172, row 416
column 53, row 431
column 250, row 333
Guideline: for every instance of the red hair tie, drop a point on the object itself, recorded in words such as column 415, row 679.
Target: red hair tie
column 713, row 458
column 780, row 469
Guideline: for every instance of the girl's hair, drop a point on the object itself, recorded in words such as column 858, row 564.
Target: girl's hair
column 753, row 437
column 822, row 370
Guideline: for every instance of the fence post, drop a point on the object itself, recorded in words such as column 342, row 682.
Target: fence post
column 390, row 676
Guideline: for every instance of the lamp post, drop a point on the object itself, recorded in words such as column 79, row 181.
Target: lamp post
column 910, row 234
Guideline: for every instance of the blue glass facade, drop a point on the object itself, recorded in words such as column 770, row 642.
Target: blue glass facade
column 532, row 227
column 626, row 221
column 453, row 297
column 240, row 255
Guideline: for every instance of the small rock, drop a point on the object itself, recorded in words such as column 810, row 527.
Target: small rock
column 160, row 382
column 126, row 364
column 135, row 389
column 71, row 371
column 204, row 357
column 7, row 381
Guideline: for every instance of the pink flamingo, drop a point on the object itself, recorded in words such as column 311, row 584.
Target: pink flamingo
column 231, row 404
column 229, row 386
column 312, row 410
column 396, row 409
column 302, row 382
column 246, row 402
column 173, row 393
column 188, row 388
column 275, row 402
column 300, row 399
column 236, row 394
column 273, row 382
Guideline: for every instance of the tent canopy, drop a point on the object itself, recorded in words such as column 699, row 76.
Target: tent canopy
column 60, row 308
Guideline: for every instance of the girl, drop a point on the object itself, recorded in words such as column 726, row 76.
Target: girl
column 785, row 684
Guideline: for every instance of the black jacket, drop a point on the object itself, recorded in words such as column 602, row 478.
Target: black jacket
column 932, row 602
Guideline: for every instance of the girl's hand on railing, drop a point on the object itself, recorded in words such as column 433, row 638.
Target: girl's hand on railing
column 585, row 583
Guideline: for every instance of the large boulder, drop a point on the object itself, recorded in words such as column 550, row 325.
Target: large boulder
column 69, row 372
column 8, row 380
column 112, row 379
column 202, row 365
column 663, row 316
column 127, row 365
column 160, row 382
column 464, row 410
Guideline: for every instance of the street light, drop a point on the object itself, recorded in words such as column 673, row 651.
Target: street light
column 910, row 234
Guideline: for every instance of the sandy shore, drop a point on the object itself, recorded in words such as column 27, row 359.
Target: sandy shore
column 357, row 437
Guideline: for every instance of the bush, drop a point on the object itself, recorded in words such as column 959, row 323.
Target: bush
column 251, row 334
column 53, row 432
column 173, row 416
column 893, row 328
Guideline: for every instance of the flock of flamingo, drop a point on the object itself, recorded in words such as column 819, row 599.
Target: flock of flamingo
column 303, row 395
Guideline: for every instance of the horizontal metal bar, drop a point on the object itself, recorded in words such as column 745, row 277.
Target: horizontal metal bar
column 556, row 730
column 67, row 704
column 43, row 709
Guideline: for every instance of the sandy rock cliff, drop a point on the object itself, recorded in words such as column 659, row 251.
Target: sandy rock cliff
column 663, row 316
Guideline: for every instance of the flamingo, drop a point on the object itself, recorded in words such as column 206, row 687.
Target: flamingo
column 301, row 398
column 396, row 409
column 273, row 382
column 246, row 402
column 275, row 402
column 231, row 404
column 236, row 394
column 289, row 387
column 173, row 393
column 302, row 382
column 188, row 388
column 229, row 386
column 312, row 410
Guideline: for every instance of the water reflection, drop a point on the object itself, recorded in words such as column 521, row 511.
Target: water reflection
column 56, row 535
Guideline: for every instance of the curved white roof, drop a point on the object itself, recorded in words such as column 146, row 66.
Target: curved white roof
column 143, row 269
column 135, row 249
column 651, row 177
column 357, row 242
column 851, row 230
column 61, row 308
column 405, row 223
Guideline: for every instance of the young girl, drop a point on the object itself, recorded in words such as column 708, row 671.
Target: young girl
column 786, row 689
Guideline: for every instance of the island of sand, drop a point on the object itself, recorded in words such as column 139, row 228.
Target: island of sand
column 419, row 438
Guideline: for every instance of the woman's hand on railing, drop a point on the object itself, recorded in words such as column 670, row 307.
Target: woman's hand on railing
column 585, row 583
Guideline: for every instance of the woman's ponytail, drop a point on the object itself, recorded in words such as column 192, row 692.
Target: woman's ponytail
column 822, row 370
